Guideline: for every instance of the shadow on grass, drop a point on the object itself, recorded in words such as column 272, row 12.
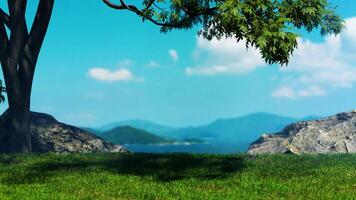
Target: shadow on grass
column 8, row 160
column 160, row 167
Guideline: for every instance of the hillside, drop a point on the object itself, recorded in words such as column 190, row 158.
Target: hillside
column 131, row 135
column 139, row 124
column 50, row 135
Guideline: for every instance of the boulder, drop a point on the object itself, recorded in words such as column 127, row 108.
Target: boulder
column 49, row 135
column 335, row 134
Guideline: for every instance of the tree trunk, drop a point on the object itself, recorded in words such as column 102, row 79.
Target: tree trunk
column 19, row 52
column 16, row 132
column 15, row 127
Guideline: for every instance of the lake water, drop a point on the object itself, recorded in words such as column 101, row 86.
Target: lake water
column 190, row 148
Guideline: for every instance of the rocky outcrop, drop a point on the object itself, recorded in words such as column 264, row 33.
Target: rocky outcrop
column 335, row 134
column 49, row 135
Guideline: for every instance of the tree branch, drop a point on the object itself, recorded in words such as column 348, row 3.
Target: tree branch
column 115, row 6
column 178, row 24
column 19, row 33
column 40, row 26
column 35, row 40
column 150, row 3
column 4, row 41
column 16, row 44
column 4, row 18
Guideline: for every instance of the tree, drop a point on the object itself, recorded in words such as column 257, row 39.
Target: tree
column 2, row 90
column 268, row 25
column 265, row 24
column 19, row 50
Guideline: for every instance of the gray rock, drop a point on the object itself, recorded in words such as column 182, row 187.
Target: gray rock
column 49, row 135
column 335, row 134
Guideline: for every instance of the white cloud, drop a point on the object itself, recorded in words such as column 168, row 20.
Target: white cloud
column 321, row 67
column 102, row 74
column 106, row 75
column 152, row 64
column 284, row 92
column 125, row 63
column 224, row 56
column 313, row 90
column 350, row 32
column 174, row 55
column 324, row 63
column 288, row 92
column 121, row 74
column 315, row 68
column 207, row 70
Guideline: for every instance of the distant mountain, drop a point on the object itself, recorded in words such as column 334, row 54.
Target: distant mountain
column 131, row 135
column 249, row 127
column 91, row 130
column 244, row 129
column 235, row 130
column 140, row 124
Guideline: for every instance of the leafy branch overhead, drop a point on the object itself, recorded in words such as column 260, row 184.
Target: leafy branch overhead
column 269, row 25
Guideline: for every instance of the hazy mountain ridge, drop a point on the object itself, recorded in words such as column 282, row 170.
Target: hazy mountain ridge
column 140, row 124
column 131, row 135
column 239, row 129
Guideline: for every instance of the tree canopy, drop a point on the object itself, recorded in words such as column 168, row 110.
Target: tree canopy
column 268, row 25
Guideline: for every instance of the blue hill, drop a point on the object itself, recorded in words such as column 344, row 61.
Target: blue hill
column 244, row 129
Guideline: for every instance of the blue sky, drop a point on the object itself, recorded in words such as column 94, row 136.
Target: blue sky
column 100, row 65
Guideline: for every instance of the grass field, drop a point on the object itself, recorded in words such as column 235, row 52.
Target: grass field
column 177, row 176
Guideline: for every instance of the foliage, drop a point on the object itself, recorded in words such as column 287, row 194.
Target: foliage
column 177, row 176
column 269, row 25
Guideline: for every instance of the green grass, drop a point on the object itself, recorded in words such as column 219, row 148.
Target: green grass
column 177, row 176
